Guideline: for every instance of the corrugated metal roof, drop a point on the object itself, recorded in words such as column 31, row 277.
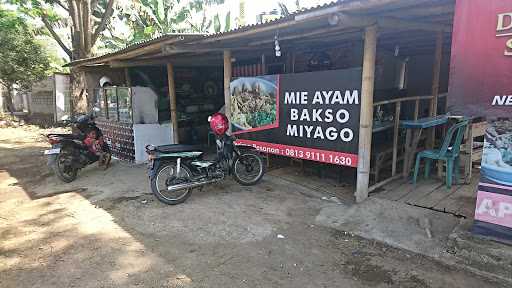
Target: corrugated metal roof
column 140, row 44
column 156, row 39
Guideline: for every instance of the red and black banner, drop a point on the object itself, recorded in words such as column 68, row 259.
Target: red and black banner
column 312, row 116
column 481, row 60
column 481, row 85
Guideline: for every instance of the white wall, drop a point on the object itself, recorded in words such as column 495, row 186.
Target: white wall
column 42, row 97
column 145, row 105
column 62, row 96
column 155, row 134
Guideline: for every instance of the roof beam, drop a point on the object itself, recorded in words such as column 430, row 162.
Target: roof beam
column 351, row 20
column 163, row 60
column 178, row 49
column 349, row 33
column 425, row 11
column 392, row 22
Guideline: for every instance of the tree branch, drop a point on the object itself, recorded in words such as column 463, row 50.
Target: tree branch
column 73, row 14
column 103, row 23
column 80, row 12
column 61, row 5
column 86, row 15
column 55, row 36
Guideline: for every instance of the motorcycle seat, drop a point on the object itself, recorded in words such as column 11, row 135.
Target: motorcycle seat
column 64, row 136
column 175, row 148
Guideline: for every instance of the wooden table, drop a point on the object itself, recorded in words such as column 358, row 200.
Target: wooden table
column 413, row 135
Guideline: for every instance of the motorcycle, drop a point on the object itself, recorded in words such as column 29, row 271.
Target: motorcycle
column 175, row 170
column 70, row 153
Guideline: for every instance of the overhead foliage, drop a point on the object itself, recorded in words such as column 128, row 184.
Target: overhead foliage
column 285, row 11
column 86, row 20
column 23, row 60
column 217, row 26
column 151, row 18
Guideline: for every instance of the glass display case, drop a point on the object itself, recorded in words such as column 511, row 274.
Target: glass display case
column 114, row 118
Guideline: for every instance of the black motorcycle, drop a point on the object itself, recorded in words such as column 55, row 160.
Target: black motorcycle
column 175, row 170
column 69, row 152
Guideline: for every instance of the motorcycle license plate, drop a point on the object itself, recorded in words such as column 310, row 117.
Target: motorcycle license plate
column 52, row 151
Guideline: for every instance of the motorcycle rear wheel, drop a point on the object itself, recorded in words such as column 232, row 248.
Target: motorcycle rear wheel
column 248, row 168
column 66, row 173
column 165, row 176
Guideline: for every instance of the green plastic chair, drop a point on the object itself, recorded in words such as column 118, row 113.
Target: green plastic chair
column 447, row 152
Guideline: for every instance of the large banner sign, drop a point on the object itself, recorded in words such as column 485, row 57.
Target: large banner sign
column 312, row 116
column 481, row 61
column 481, row 85
column 493, row 213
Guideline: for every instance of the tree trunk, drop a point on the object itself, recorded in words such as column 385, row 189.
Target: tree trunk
column 79, row 93
column 78, row 85
column 83, row 38
column 8, row 102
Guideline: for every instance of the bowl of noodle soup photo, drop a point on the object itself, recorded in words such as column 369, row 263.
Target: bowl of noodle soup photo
column 253, row 102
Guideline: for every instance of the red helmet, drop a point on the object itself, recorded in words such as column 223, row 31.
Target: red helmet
column 219, row 123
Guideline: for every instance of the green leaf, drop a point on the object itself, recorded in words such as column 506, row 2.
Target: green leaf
column 149, row 30
column 227, row 26
column 160, row 10
column 23, row 60
column 216, row 23
column 182, row 16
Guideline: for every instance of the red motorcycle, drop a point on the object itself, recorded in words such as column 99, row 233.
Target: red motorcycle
column 72, row 152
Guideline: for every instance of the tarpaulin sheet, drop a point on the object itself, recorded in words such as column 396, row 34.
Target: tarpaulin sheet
column 481, row 85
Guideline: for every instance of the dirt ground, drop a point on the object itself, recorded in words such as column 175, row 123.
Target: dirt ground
column 107, row 230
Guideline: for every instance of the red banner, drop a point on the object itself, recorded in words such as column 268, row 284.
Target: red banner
column 481, row 60
column 481, row 85
column 331, row 157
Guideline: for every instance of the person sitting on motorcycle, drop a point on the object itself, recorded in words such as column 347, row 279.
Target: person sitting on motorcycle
column 95, row 146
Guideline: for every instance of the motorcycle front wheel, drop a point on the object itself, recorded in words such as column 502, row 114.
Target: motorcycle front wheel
column 248, row 168
column 166, row 176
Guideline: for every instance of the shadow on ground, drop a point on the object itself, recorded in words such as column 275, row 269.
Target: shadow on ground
column 106, row 230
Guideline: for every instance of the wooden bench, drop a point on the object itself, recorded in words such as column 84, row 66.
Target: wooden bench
column 471, row 150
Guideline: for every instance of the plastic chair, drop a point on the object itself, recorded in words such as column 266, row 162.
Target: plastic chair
column 447, row 153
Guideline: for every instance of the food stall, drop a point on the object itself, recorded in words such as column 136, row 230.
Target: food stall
column 401, row 48
column 128, row 118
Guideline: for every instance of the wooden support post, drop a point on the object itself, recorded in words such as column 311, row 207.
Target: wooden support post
column 366, row 117
column 294, row 59
column 172, row 99
column 263, row 64
column 435, row 95
column 227, row 82
column 396, row 131
column 416, row 109
column 435, row 85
